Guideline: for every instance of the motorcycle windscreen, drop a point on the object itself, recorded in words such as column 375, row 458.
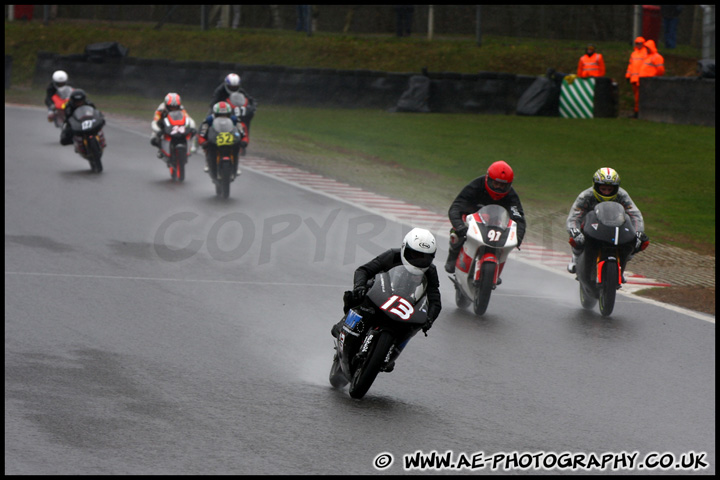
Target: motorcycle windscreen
column 493, row 216
column 611, row 214
column 85, row 119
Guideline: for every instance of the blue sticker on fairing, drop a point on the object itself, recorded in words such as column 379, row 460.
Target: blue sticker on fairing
column 352, row 319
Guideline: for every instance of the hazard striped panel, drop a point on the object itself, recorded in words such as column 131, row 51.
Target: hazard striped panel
column 577, row 98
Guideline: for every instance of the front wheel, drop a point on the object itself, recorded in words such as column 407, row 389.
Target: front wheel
column 95, row 153
column 223, row 189
column 180, row 153
column 365, row 374
column 608, row 288
column 484, row 288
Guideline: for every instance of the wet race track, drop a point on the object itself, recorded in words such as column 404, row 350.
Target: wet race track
column 151, row 328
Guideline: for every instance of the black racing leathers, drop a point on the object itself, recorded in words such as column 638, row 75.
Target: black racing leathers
column 474, row 195
column 390, row 259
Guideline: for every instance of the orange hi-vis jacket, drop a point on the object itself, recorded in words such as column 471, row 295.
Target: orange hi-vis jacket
column 591, row 66
column 637, row 57
column 654, row 63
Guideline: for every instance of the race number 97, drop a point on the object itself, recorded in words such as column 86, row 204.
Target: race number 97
column 398, row 306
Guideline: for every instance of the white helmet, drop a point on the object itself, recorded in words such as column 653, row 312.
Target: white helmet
column 232, row 83
column 59, row 78
column 418, row 250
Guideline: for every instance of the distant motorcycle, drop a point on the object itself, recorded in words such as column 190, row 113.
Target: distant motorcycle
column 242, row 110
column 86, row 124
column 223, row 146
column 174, row 142
column 609, row 241
column 491, row 236
column 375, row 332
column 59, row 100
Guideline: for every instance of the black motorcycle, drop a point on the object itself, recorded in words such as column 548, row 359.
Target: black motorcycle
column 86, row 125
column 609, row 242
column 376, row 331
column 222, row 154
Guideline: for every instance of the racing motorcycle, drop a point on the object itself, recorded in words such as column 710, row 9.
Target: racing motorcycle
column 491, row 236
column 60, row 99
column 609, row 241
column 240, row 106
column 222, row 152
column 86, row 124
column 376, row 331
column 175, row 141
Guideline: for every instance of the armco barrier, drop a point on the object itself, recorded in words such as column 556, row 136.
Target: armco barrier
column 678, row 100
column 485, row 92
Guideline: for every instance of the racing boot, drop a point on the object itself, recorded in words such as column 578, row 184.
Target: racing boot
column 573, row 262
column 337, row 328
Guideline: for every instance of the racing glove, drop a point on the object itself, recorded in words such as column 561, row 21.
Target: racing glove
column 641, row 241
column 457, row 234
column 577, row 239
column 428, row 325
column 359, row 292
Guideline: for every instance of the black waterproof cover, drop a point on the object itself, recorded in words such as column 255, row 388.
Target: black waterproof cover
column 415, row 98
column 98, row 52
column 542, row 98
column 706, row 68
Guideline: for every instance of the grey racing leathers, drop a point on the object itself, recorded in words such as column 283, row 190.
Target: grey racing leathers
column 586, row 201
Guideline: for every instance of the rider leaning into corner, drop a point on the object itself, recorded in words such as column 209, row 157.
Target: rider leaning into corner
column 605, row 188
column 495, row 187
column 77, row 99
column 416, row 254
column 59, row 79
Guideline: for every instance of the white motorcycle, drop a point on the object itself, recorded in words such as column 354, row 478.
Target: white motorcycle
column 491, row 236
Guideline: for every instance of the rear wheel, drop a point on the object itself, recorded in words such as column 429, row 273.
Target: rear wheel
column 484, row 288
column 608, row 288
column 367, row 372
column 460, row 299
column 586, row 300
column 337, row 378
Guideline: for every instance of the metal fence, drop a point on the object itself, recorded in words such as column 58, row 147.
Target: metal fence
column 576, row 22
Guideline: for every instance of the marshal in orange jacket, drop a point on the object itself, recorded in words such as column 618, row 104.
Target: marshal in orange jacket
column 591, row 66
column 654, row 63
column 637, row 57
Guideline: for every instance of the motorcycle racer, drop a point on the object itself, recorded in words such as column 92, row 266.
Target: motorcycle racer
column 230, row 85
column 220, row 109
column 605, row 188
column 59, row 79
column 416, row 254
column 77, row 99
column 495, row 187
column 171, row 102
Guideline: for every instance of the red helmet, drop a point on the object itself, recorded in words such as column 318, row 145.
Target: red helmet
column 499, row 180
column 172, row 101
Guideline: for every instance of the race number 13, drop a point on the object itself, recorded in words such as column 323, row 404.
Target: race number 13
column 398, row 306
